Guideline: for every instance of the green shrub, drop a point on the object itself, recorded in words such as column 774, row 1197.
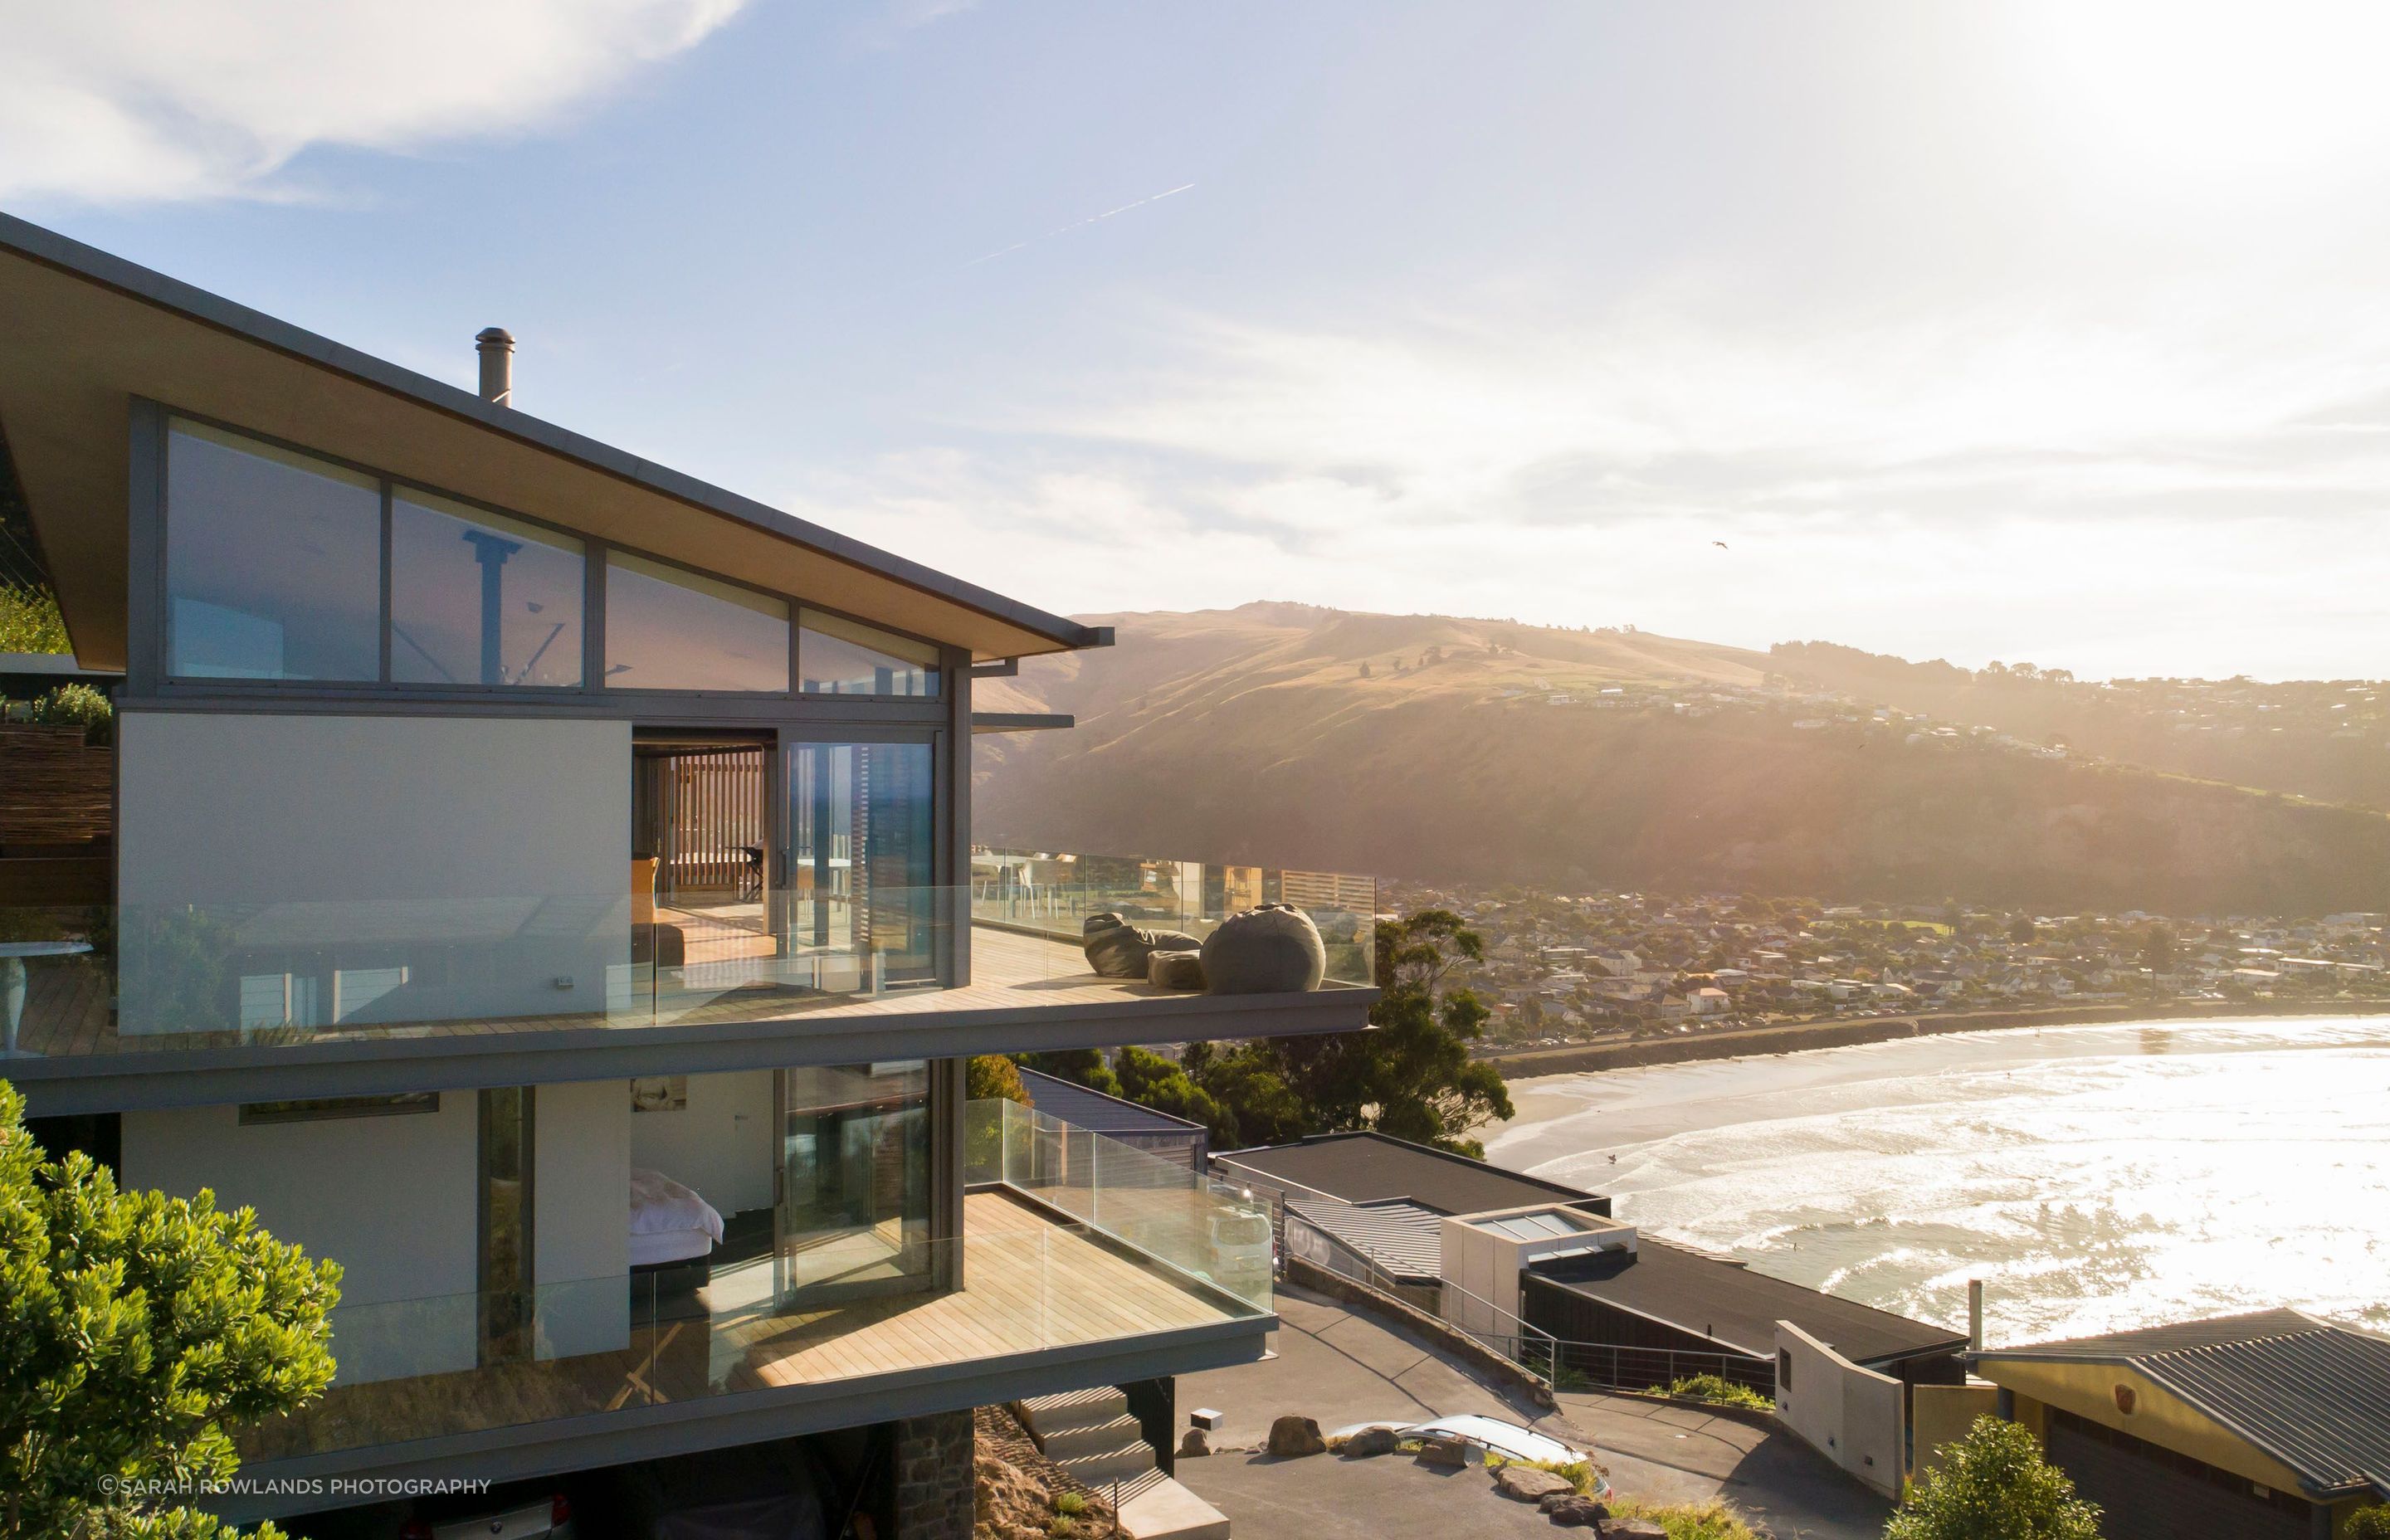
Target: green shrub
column 2368, row 1523
column 78, row 706
column 1994, row 1485
column 1070, row 1504
column 30, row 621
column 1717, row 1389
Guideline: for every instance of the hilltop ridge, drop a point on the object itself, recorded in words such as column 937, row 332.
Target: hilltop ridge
column 1484, row 751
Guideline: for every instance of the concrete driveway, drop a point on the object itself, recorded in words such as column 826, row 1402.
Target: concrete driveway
column 1341, row 1366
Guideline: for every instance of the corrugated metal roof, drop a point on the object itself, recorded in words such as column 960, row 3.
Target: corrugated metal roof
column 1365, row 1167
column 1081, row 1108
column 2312, row 1393
column 1403, row 1237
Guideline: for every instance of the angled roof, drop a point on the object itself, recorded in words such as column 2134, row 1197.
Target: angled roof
column 1364, row 1168
column 1099, row 1114
column 1402, row 1237
column 89, row 332
column 2311, row 1392
column 1737, row 1307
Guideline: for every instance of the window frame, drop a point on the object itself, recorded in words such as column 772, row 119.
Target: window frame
column 150, row 642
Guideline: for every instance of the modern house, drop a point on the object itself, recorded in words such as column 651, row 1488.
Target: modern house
column 542, row 882
column 2272, row 1426
column 1536, row 1261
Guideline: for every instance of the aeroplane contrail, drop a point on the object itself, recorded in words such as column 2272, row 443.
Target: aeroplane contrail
column 1077, row 224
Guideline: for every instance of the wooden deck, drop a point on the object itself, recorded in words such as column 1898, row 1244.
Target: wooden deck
column 1029, row 1284
column 69, row 1009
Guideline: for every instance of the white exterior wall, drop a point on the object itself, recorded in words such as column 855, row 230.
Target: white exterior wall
column 1852, row 1416
column 581, row 1205
column 720, row 1144
column 390, row 1198
column 489, row 858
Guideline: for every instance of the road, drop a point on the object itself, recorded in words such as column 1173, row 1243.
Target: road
column 1341, row 1367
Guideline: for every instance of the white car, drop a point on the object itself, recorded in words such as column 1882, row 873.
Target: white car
column 1507, row 1438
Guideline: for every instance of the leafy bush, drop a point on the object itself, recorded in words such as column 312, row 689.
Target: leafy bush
column 1716, row 1389
column 30, row 621
column 2368, row 1523
column 1994, row 1485
column 1070, row 1504
column 78, row 706
column 134, row 1329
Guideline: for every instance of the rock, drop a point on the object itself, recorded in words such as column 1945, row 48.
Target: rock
column 1370, row 1442
column 1272, row 950
column 1574, row 1511
column 1528, row 1485
column 1292, row 1437
column 1631, row 1528
column 1447, row 1451
column 1175, row 970
column 1194, row 1444
column 1116, row 949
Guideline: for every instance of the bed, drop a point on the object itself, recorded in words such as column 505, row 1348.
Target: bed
column 670, row 1223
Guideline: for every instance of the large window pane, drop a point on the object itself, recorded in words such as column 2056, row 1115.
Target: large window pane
column 272, row 561
column 670, row 630
column 854, row 1187
column 860, row 855
column 476, row 599
column 841, row 657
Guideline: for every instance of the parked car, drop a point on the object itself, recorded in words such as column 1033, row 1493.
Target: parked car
column 1493, row 1435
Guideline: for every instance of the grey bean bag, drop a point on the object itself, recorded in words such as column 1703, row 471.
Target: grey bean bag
column 1118, row 950
column 1272, row 950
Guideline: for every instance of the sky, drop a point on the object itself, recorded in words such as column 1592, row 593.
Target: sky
column 2038, row 330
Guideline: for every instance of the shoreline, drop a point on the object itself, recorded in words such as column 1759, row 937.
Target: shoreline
column 1799, row 1036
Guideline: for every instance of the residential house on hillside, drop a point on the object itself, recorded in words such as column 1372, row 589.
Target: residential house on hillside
column 542, row 883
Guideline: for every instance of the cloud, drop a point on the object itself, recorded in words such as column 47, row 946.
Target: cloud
column 110, row 101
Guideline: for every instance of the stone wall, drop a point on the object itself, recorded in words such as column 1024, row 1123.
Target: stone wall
column 933, row 1477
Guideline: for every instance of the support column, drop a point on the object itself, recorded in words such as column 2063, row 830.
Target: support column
column 935, row 1492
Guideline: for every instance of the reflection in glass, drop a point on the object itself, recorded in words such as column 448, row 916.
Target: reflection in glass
column 860, row 858
column 855, row 1197
column 506, row 1224
column 477, row 598
column 843, row 657
column 667, row 629
column 272, row 561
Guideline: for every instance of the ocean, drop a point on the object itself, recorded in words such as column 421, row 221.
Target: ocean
column 2096, row 1179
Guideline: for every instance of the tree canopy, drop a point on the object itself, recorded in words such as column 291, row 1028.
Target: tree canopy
column 1994, row 1485
column 134, row 1329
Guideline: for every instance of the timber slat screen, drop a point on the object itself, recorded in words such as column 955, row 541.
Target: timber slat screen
column 55, row 790
column 707, row 809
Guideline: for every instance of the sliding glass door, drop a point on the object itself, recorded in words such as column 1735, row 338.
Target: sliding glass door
column 853, row 1215
column 858, row 894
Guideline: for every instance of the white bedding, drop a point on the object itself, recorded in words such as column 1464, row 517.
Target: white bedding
column 669, row 1222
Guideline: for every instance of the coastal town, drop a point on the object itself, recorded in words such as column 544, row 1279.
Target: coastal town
column 1568, row 969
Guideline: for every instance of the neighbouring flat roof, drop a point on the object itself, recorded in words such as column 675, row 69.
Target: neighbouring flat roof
column 89, row 332
column 2313, row 1394
column 1362, row 1168
column 1739, row 1307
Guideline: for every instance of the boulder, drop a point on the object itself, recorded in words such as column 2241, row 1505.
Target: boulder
column 1371, row 1441
column 1175, row 970
column 1527, row 1485
column 1194, row 1444
column 1116, row 949
column 1447, row 1451
column 1631, row 1528
column 1272, row 950
column 1292, row 1437
column 1574, row 1511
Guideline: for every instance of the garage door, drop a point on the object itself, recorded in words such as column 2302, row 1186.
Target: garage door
column 2141, row 1498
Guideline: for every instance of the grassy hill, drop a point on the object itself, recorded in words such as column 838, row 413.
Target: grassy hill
column 1473, row 751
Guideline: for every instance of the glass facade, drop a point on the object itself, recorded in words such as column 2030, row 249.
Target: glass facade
column 854, row 1181
column 843, row 657
column 273, row 563
column 667, row 629
column 860, row 860
column 477, row 598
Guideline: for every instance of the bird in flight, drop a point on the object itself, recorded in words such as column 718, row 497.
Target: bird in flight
column 1719, row 544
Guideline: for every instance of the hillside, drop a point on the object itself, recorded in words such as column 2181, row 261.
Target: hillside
column 1483, row 752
